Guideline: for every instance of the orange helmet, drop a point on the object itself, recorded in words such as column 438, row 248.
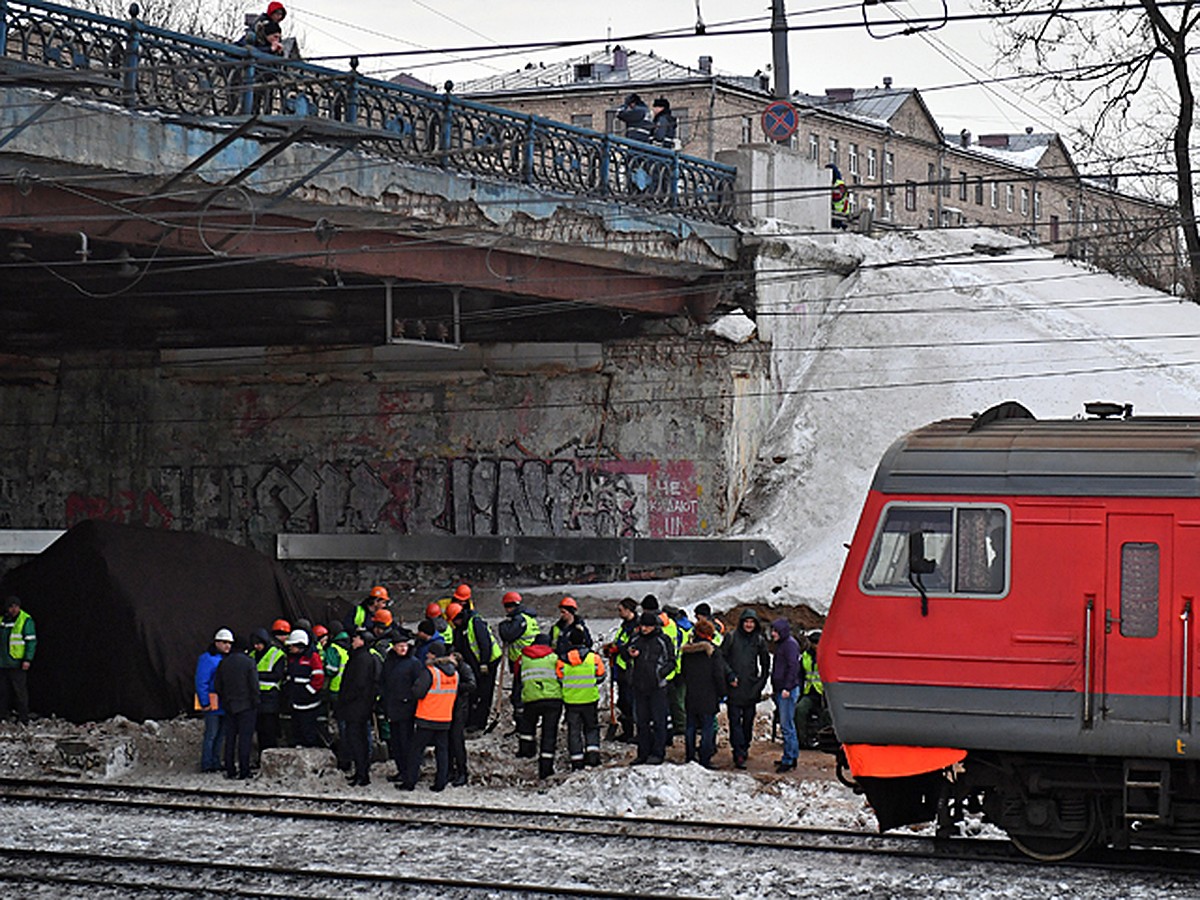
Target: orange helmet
column 433, row 610
column 281, row 626
column 568, row 603
column 320, row 631
column 453, row 611
column 511, row 598
column 462, row 592
column 379, row 592
column 382, row 617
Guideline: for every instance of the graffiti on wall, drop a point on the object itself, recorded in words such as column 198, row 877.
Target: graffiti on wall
column 460, row 496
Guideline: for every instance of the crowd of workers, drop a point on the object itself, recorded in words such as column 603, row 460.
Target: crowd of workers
column 368, row 679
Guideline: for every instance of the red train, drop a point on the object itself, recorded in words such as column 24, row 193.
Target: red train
column 1014, row 630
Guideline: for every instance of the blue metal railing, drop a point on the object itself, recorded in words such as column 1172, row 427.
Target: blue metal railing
column 146, row 68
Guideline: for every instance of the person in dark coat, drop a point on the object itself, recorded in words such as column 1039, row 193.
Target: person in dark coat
column 467, row 685
column 652, row 658
column 749, row 659
column 236, row 685
column 706, row 676
column 356, row 701
column 665, row 126
column 639, row 126
column 481, row 651
column 400, row 672
column 785, row 685
column 568, row 618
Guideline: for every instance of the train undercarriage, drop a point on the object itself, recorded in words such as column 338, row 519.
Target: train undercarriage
column 1052, row 807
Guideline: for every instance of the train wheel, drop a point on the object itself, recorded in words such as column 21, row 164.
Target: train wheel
column 1058, row 847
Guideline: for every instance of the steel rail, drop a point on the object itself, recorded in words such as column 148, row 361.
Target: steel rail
column 241, row 871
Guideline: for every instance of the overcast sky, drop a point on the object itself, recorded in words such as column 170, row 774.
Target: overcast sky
column 837, row 57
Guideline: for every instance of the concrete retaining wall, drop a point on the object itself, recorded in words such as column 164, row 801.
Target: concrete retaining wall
column 628, row 438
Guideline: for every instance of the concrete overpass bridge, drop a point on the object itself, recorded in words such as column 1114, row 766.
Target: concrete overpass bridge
column 162, row 190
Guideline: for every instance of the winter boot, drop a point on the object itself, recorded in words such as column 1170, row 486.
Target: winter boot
column 545, row 767
column 591, row 758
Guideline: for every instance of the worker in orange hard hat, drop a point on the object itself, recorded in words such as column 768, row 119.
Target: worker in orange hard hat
column 517, row 631
column 568, row 618
column 462, row 593
column 360, row 616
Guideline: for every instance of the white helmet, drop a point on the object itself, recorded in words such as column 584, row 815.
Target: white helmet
column 223, row 634
column 297, row 637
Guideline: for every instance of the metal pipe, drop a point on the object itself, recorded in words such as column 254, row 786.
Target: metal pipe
column 1089, row 609
column 1184, row 700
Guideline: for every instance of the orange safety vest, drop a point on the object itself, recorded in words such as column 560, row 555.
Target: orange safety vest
column 438, row 704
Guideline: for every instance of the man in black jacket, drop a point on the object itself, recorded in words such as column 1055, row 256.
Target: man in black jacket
column 236, row 684
column 400, row 671
column 356, row 701
column 749, row 658
column 652, row 657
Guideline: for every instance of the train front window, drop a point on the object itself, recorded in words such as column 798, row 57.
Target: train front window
column 967, row 546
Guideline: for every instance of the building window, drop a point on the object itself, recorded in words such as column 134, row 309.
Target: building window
column 946, row 181
column 979, row 190
column 612, row 124
column 747, row 129
column 945, row 223
column 833, row 152
column 889, row 166
column 1037, row 205
column 962, row 186
column 931, row 218
column 872, row 163
column 931, row 172
column 889, row 209
column 1008, row 197
column 582, row 120
column 852, row 154
column 870, row 203
column 995, row 195
column 1024, row 201
column 814, row 147
column 910, row 196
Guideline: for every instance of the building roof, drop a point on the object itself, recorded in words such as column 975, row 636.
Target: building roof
column 876, row 105
column 611, row 67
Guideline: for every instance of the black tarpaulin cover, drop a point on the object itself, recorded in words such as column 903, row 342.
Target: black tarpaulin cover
column 123, row 612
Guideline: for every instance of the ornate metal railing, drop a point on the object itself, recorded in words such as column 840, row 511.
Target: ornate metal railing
column 146, row 68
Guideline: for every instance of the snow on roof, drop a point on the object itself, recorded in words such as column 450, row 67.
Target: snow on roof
column 602, row 68
column 877, row 105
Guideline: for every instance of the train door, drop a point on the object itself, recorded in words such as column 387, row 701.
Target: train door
column 1138, row 620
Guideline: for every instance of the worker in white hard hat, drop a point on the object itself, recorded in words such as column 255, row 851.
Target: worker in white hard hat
column 206, row 700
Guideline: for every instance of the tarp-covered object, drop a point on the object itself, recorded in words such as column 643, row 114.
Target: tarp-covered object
column 123, row 612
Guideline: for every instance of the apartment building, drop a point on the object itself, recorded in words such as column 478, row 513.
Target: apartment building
column 900, row 165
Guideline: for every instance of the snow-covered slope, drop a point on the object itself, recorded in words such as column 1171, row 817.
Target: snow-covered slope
column 931, row 325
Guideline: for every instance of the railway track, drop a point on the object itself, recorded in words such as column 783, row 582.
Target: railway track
column 420, row 822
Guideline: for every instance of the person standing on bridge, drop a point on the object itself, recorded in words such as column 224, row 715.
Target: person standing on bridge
column 268, row 33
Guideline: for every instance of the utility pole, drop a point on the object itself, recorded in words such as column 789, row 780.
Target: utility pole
column 779, row 49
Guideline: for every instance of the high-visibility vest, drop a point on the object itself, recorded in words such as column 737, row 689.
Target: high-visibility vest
column 473, row 640
column 268, row 678
column 841, row 198
column 812, row 678
column 438, row 704
column 16, row 637
column 580, row 683
column 621, row 639
column 539, row 678
column 671, row 630
column 444, row 633
column 531, row 631
column 335, row 658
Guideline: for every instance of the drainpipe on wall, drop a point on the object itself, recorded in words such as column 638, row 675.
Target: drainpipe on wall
column 712, row 121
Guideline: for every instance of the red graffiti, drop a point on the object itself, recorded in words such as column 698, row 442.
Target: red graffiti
column 126, row 507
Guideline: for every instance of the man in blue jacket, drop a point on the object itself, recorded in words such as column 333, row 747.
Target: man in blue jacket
column 206, row 699
column 785, row 684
